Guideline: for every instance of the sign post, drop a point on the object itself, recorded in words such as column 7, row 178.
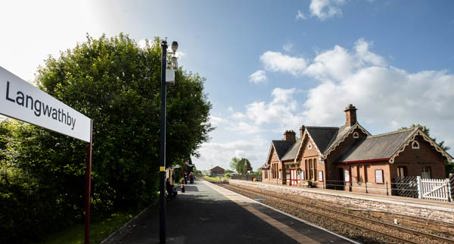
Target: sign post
column 23, row 101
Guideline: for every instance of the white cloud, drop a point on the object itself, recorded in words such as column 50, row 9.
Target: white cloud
column 213, row 154
column 282, row 111
column 258, row 77
column 300, row 15
column 217, row 121
column 331, row 65
column 387, row 97
column 276, row 61
column 324, row 9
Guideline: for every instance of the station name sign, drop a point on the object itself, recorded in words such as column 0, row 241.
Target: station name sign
column 21, row 100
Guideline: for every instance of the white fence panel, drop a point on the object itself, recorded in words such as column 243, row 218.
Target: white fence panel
column 436, row 189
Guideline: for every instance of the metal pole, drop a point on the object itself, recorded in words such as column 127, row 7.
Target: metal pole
column 88, row 166
column 162, row 152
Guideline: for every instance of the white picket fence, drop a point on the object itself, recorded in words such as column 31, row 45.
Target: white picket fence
column 437, row 189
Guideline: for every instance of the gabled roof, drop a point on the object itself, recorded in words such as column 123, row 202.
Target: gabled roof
column 382, row 146
column 341, row 135
column 291, row 154
column 217, row 168
column 322, row 136
column 281, row 147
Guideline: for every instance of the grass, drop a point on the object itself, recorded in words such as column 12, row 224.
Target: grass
column 98, row 230
column 215, row 179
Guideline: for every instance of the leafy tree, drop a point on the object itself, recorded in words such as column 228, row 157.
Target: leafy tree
column 117, row 84
column 241, row 166
column 234, row 163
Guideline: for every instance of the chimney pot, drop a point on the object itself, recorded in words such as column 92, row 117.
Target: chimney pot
column 350, row 115
column 289, row 135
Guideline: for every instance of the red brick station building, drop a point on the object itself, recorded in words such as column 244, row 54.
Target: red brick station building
column 350, row 158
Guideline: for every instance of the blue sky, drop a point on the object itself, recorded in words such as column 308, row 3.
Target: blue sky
column 271, row 65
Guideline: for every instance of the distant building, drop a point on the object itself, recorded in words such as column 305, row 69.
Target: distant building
column 346, row 157
column 217, row 171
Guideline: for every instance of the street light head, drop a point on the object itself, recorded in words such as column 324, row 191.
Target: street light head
column 174, row 46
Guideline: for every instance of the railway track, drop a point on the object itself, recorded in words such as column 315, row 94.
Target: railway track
column 343, row 221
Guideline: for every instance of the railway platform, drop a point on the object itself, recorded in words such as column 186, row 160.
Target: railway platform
column 207, row 213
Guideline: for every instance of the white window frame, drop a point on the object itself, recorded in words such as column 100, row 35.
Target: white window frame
column 346, row 175
column 320, row 175
column 415, row 145
column 379, row 176
column 355, row 135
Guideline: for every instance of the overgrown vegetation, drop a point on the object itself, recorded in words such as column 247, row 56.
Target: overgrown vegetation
column 216, row 179
column 116, row 83
column 99, row 230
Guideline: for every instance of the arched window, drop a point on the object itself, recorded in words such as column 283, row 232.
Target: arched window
column 414, row 145
column 355, row 135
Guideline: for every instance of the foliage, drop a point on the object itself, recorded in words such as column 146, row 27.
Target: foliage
column 228, row 173
column 450, row 168
column 215, row 179
column 241, row 165
column 99, row 230
column 117, row 84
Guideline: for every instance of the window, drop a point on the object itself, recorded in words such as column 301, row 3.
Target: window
column 366, row 178
column 355, row 135
column 401, row 171
column 274, row 171
column 311, row 170
column 309, row 146
column 346, row 175
column 320, row 175
column 426, row 172
column 415, row 145
column 379, row 176
column 359, row 179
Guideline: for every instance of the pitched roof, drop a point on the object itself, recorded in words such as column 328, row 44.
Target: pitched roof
column 281, row 147
column 322, row 136
column 382, row 146
column 291, row 154
column 217, row 168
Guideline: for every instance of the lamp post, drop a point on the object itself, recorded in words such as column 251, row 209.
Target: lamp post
column 167, row 75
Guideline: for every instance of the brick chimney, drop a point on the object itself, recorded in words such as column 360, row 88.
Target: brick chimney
column 289, row 135
column 350, row 115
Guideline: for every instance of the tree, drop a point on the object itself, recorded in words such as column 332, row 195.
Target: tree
column 117, row 84
column 241, row 166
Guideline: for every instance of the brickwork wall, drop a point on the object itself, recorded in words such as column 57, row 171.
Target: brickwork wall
column 393, row 205
column 274, row 161
column 415, row 159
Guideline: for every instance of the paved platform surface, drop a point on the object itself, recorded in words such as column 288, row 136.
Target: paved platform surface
column 207, row 213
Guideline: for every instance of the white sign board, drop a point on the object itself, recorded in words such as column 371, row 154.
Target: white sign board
column 21, row 100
